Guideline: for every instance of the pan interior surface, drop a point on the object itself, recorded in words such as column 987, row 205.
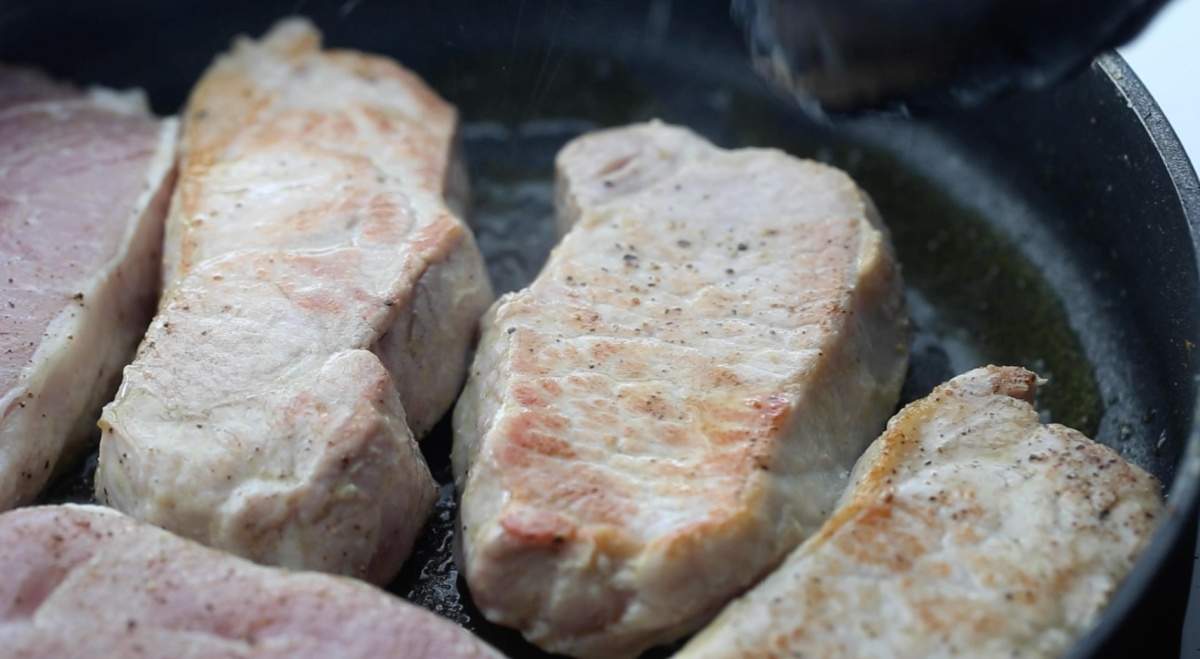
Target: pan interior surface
column 1004, row 261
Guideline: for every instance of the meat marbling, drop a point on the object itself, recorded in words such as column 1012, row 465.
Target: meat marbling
column 970, row 529
column 84, row 183
column 83, row 581
column 321, row 299
column 676, row 401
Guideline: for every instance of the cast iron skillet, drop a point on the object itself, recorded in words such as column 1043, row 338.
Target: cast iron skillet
column 1057, row 230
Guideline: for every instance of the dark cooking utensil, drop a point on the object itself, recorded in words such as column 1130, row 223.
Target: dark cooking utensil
column 855, row 54
column 1058, row 230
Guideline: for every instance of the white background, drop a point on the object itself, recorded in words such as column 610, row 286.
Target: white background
column 1167, row 59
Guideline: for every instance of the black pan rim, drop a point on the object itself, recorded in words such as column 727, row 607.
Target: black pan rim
column 1183, row 496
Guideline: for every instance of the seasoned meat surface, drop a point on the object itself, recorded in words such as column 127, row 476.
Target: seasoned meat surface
column 970, row 529
column 676, row 401
column 84, row 183
column 83, row 582
column 321, row 296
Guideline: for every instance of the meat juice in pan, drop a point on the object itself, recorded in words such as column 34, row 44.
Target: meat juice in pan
column 962, row 317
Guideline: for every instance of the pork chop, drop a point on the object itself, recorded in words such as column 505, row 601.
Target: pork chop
column 84, row 183
column 321, row 299
column 84, row 581
column 676, row 401
column 970, row 529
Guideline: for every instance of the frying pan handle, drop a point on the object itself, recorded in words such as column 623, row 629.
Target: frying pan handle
column 847, row 55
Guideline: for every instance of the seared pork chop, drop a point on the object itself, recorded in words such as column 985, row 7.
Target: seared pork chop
column 84, row 183
column 676, row 401
column 970, row 529
column 84, row 581
column 321, row 298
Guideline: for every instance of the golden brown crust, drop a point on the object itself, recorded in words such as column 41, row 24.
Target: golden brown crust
column 984, row 531
column 901, row 440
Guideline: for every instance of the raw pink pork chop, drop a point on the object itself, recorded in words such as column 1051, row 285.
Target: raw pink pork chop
column 84, row 180
column 84, row 581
